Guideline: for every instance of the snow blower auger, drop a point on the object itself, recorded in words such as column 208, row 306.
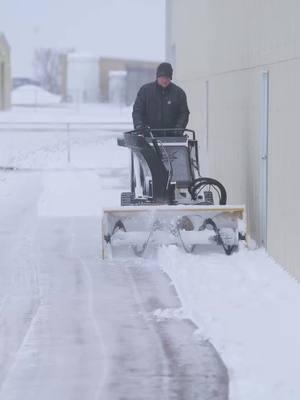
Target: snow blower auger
column 169, row 202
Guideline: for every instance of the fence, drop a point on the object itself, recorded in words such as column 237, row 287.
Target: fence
column 53, row 145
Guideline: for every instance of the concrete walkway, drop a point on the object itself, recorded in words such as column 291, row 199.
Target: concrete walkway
column 102, row 330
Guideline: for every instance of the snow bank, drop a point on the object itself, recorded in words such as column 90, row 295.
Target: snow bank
column 248, row 307
column 33, row 95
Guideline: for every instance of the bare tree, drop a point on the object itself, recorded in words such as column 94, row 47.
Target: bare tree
column 49, row 68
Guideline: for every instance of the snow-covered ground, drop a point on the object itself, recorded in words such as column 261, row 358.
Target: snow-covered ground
column 34, row 95
column 63, row 137
column 74, row 113
column 246, row 305
column 73, row 326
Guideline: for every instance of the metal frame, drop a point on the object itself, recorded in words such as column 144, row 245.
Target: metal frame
column 147, row 132
column 148, row 151
column 68, row 128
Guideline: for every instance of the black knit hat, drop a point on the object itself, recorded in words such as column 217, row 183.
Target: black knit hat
column 164, row 69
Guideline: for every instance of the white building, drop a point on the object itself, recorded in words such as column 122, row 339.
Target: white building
column 83, row 79
column 239, row 62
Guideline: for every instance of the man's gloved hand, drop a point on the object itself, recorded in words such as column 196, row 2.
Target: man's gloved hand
column 179, row 131
column 138, row 128
column 143, row 130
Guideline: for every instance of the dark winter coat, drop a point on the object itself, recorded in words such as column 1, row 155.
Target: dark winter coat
column 158, row 107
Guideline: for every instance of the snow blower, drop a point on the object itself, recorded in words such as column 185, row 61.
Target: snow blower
column 169, row 201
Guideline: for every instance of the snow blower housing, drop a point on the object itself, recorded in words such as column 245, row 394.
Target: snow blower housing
column 170, row 202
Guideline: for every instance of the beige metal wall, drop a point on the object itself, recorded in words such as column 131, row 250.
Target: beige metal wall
column 220, row 50
column 5, row 74
column 115, row 64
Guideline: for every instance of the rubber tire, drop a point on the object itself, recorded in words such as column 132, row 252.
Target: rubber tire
column 197, row 183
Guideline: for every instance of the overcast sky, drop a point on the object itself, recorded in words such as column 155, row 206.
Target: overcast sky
column 119, row 28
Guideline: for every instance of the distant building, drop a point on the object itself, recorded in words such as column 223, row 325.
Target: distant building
column 117, row 87
column 135, row 73
column 5, row 74
column 90, row 79
column 82, row 78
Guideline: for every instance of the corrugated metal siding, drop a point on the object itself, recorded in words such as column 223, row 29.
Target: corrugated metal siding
column 230, row 44
column 284, row 163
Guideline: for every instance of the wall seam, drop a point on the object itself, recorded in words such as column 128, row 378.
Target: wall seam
column 232, row 71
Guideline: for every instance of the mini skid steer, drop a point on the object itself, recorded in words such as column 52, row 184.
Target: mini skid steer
column 169, row 202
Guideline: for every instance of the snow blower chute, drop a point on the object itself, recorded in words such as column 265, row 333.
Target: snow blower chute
column 169, row 202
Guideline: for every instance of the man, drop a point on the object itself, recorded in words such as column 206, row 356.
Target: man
column 161, row 104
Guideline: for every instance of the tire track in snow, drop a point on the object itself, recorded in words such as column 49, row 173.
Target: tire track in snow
column 22, row 346
column 106, row 364
column 21, row 301
column 195, row 370
column 63, row 344
column 166, row 365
